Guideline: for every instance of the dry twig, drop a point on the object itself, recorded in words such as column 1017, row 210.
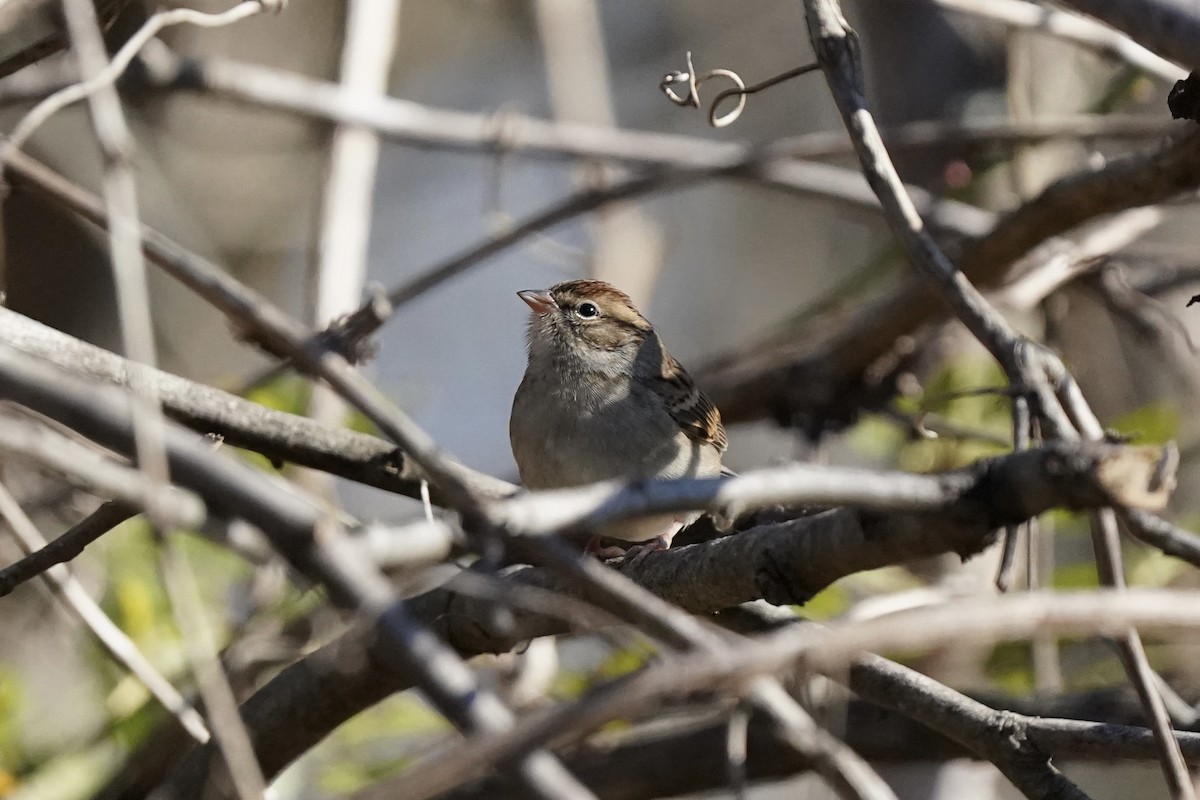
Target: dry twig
column 111, row 637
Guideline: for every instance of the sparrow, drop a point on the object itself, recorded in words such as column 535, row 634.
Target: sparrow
column 602, row 399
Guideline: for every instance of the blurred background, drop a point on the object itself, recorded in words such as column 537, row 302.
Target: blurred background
column 717, row 266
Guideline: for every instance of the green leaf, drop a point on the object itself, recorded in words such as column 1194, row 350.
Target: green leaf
column 876, row 437
column 1076, row 576
column 1153, row 423
column 12, row 753
column 361, row 752
column 1010, row 666
column 827, row 603
column 288, row 392
column 357, row 421
column 624, row 660
column 968, row 394
column 1155, row 569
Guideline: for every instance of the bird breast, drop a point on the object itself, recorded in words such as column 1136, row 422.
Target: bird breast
column 571, row 432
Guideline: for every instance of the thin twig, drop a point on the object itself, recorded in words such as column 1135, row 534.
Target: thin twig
column 341, row 266
column 85, row 466
column 424, row 126
column 984, row 621
column 113, row 639
column 1167, row 28
column 292, row 524
column 124, row 242
column 981, row 133
column 1109, row 566
column 137, row 335
column 1021, row 422
column 280, row 436
column 1071, row 27
column 201, row 648
column 67, row 546
column 837, row 51
column 1157, row 532
column 1052, row 270
column 113, row 69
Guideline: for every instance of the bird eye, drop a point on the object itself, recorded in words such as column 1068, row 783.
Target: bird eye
column 588, row 310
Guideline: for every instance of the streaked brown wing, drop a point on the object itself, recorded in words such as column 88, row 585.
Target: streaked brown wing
column 696, row 415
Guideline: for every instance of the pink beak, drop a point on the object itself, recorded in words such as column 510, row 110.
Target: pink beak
column 539, row 300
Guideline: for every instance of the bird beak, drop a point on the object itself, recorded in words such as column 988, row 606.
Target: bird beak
column 539, row 300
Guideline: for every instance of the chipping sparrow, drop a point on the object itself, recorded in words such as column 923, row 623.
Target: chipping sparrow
column 603, row 399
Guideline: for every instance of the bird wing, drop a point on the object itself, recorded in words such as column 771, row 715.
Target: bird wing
column 695, row 414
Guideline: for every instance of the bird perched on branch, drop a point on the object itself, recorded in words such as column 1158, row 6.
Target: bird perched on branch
column 603, row 399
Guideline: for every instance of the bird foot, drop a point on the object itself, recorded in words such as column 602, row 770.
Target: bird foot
column 599, row 551
column 637, row 554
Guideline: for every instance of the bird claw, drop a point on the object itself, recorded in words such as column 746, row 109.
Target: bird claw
column 603, row 553
column 638, row 552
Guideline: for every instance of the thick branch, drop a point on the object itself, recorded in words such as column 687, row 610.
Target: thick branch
column 1169, row 28
column 83, row 466
column 838, row 54
column 996, row 491
column 810, row 369
column 784, row 562
column 690, row 757
column 291, row 523
column 280, row 436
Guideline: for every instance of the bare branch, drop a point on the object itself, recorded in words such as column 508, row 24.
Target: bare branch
column 280, row 436
column 341, row 265
column 423, row 126
column 770, row 378
column 785, row 562
column 1083, row 31
column 688, row 757
column 837, row 52
column 980, row 621
column 112, row 638
column 291, row 522
column 105, row 77
column 84, row 466
column 1012, row 487
column 32, row 32
column 1162, row 26
column 66, row 547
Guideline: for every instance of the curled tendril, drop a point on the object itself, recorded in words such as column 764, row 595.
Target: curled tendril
column 691, row 99
column 691, row 81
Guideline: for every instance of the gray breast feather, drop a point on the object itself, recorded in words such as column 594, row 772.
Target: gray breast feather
column 565, row 439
